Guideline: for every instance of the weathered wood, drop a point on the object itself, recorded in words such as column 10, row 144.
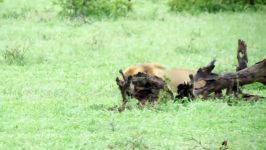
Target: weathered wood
column 242, row 56
column 186, row 90
column 206, row 82
column 140, row 86
column 242, row 59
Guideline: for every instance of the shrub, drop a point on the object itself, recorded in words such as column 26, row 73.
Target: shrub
column 213, row 5
column 14, row 55
column 99, row 8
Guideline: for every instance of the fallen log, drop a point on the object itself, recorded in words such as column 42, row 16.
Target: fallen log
column 206, row 82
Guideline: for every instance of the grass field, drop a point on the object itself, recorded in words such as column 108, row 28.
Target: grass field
column 58, row 95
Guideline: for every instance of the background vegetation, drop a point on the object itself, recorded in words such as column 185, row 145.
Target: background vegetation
column 96, row 8
column 215, row 5
column 59, row 97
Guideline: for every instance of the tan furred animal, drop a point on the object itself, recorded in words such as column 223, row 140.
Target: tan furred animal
column 176, row 76
column 150, row 69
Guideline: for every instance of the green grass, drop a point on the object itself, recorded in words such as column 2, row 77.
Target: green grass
column 59, row 97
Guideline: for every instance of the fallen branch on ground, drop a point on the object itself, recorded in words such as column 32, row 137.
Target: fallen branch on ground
column 206, row 82
column 142, row 87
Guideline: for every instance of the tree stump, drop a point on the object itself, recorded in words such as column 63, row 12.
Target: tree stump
column 140, row 86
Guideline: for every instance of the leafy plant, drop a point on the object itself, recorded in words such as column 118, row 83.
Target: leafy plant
column 98, row 8
column 14, row 55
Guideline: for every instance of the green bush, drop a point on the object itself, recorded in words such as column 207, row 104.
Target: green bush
column 98, row 8
column 213, row 5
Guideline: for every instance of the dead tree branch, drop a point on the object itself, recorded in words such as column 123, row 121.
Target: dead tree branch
column 242, row 56
column 206, row 82
column 142, row 87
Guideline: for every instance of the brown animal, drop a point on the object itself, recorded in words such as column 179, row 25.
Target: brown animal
column 175, row 76
column 150, row 69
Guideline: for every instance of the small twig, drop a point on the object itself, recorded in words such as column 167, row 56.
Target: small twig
column 210, row 67
column 121, row 72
